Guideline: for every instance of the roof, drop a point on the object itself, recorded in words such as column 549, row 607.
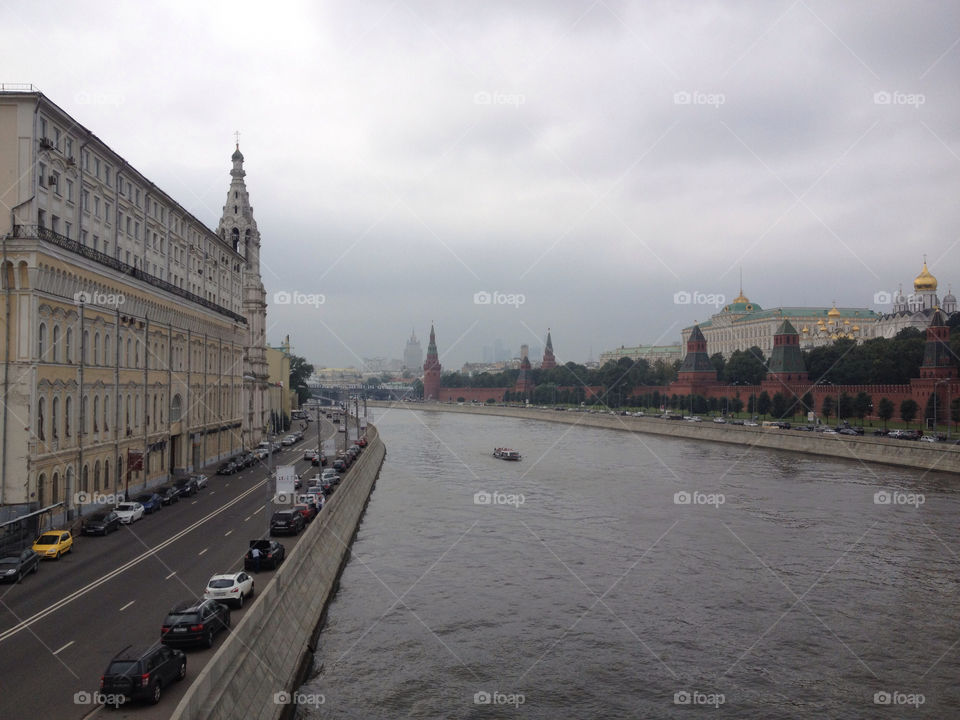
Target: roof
column 804, row 312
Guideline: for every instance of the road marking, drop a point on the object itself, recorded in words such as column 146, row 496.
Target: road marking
column 57, row 652
column 227, row 532
column 212, row 492
column 203, row 551
column 64, row 601
column 126, row 606
column 194, row 502
column 258, row 510
column 247, row 518
column 170, row 575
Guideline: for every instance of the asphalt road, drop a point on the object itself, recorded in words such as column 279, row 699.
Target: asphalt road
column 60, row 627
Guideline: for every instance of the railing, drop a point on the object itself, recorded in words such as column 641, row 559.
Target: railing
column 18, row 87
column 48, row 235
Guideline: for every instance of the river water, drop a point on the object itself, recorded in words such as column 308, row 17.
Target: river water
column 579, row 584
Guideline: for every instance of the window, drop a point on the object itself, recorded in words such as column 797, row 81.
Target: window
column 68, row 147
column 86, row 160
column 70, row 190
column 83, row 237
column 96, row 206
column 107, row 358
column 96, row 167
column 107, row 171
column 137, row 197
column 42, row 342
column 67, row 413
column 129, row 224
column 43, row 127
column 96, row 349
column 56, row 343
column 55, row 223
column 43, row 174
column 85, row 348
column 96, row 242
column 68, row 343
column 106, row 474
column 106, row 413
column 56, row 138
column 106, row 211
column 55, row 182
column 96, row 476
column 55, row 418
column 136, row 230
column 67, row 227
column 96, row 413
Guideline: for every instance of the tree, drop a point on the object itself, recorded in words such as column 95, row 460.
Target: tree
column 846, row 408
column 719, row 363
column 908, row 410
column 764, row 403
column 736, row 405
column 745, row 367
column 300, row 372
column 779, row 407
column 885, row 410
column 826, row 409
column 862, row 404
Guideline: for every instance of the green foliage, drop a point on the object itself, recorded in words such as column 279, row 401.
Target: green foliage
column 826, row 409
column 885, row 410
column 300, row 372
column 908, row 410
column 745, row 367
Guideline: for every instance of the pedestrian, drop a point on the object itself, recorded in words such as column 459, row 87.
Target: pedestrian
column 255, row 556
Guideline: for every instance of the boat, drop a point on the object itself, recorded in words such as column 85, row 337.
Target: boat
column 506, row 454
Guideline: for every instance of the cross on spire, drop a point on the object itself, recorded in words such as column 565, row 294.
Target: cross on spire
column 236, row 136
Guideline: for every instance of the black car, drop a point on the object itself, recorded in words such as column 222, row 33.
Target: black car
column 151, row 502
column 339, row 465
column 14, row 567
column 272, row 554
column 194, row 622
column 228, row 468
column 286, row 522
column 186, row 487
column 101, row 522
column 168, row 494
column 142, row 675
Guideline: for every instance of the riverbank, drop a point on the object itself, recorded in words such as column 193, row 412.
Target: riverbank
column 887, row 451
column 266, row 655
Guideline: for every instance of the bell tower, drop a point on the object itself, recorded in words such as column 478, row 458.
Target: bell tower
column 238, row 227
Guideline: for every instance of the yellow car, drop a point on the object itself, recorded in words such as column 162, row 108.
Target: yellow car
column 53, row 544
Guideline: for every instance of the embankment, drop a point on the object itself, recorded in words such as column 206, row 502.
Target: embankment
column 262, row 659
column 905, row 453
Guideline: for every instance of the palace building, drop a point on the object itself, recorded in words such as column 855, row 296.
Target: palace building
column 133, row 345
column 917, row 309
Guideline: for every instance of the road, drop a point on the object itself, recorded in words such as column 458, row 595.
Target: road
column 60, row 627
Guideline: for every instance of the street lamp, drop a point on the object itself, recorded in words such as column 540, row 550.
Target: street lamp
column 250, row 379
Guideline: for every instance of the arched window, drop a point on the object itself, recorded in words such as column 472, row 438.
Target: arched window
column 136, row 411
column 85, row 479
column 41, row 411
column 55, row 490
column 67, row 413
column 68, row 481
column 85, row 350
column 84, row 408
column 176, row 408
column 55, row 418
column 55, row 348
column 235, row 236
column 119, row 470
column 106, row 413
column 68, row 346
column 106, row 474
column 127, row 416
column 42, row 489
column 127, row 360
column 136, row 354
column 96, row 413
column 154, row 414
column 96, row 349
column 96, row 476
column 107, row 357
column 42, row 342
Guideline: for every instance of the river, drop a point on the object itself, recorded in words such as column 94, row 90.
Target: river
column 616, row 575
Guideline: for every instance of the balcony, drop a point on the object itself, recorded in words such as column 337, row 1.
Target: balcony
column 36, row 232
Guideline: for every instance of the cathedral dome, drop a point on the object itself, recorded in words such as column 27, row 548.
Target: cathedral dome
column 237, row 155
column 833, row 312
column 925, row 281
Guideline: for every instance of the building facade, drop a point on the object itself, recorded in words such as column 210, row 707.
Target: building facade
column 413, row 353
column 651, row 353
column 126, row 342
column 916, row 309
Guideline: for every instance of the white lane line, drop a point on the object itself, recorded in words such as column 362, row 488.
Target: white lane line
column 57, row 652
column 202, row 551
column 247, row 517
column 258, row 510
column 212, row 492
column 194, row 502
column 227, row 533
column 170, row 575
column 36, row 617
column 126, row 606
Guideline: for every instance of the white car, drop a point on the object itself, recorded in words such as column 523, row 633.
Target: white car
column 750, row 423
column 231, row 588
column 309, row 454
column 288, row 440
column 928, row 439
column 201, row 481
column 129, row 512
column 720, row 420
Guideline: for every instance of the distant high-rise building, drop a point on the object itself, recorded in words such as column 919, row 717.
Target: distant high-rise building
column 413, row 354
column 524, row 351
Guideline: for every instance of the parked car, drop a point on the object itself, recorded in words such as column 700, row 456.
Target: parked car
column 53, row 544
column 288, row 440
column 339, row 464
column 286, row 522
column 311, row 498
column 309, row 454
column 142, row 675
column 129, row 512
column 228, row 468
column 362, row 442
column 247, row 460
column 307, row 510
column 928, row 439
column 186, row 487
column 101, row 522
column 231, row 588
column 150, row 501
column 272, row 554
column 847, row 431
column 201, row 480
column 328, row 472
column 14, row 567
column 194, row 622
column 169, row 494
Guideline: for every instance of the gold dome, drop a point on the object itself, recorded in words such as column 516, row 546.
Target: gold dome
column 856, row 328
column 833, row 312
column 741, row 298
column 805, row 330
column 925, row 281
column 820, row 322
column 846, row 322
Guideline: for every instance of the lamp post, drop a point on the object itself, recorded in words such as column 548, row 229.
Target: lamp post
column 250, row 379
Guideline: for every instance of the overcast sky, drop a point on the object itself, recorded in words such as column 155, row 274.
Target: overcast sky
column 591, row 159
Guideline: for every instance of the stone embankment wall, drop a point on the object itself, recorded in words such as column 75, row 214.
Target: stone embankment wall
column 264, row 654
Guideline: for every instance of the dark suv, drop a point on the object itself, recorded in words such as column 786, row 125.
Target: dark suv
column 194, row 622
column 271, row 552
column 286, row 522
column 101, row 522
column 168, row 494
column 142, row 675
column 186, row 487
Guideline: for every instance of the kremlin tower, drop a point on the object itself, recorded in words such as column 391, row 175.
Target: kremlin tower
column 549, row 361
column 431, row 370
